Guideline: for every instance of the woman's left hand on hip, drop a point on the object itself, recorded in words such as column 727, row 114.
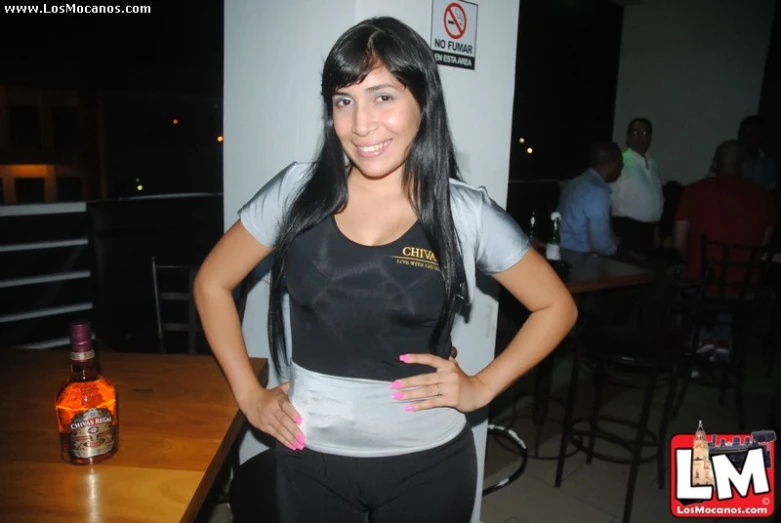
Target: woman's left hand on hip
column 449, row 386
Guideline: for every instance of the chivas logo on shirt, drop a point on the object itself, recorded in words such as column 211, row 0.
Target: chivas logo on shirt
column 418, row 257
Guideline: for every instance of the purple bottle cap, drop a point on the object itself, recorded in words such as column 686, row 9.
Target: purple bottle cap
column 81, row 336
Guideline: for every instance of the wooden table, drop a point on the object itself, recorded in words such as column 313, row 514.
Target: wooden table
column 177, row 422
column 595, row 273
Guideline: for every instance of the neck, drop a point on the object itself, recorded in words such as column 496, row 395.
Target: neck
column 388, row 185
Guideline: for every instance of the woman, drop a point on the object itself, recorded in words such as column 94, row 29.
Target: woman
column 375, row 255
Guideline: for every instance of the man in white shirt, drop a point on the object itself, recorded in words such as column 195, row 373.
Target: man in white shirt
column 637, row 195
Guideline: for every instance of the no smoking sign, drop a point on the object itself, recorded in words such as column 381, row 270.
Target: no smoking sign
column 454, row 33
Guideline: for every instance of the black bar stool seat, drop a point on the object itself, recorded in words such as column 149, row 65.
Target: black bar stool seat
column 644, row 355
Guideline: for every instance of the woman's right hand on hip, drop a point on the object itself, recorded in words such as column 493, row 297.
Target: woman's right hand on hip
column 270, row 410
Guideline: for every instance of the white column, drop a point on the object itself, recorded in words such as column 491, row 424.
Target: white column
column 274, row 52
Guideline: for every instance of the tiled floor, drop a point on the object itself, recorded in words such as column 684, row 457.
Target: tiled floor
column 595, row 493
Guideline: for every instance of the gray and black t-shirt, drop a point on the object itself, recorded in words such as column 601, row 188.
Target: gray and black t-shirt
column 354, row 309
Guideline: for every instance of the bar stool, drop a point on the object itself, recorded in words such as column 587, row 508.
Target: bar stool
column 641, row 356
column 735, row 277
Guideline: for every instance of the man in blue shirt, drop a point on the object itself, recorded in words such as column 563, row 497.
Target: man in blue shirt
column 585, row 203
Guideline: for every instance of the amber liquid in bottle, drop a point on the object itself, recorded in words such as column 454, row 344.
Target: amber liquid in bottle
column 86, row 405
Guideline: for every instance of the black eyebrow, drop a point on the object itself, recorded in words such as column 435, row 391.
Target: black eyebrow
column 380, row 87
column 371, row 89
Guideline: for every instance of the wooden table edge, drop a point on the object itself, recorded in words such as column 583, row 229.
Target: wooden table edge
column 612, row 283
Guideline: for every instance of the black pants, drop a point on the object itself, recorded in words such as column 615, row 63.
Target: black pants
column 635, row 236
column 431, row 486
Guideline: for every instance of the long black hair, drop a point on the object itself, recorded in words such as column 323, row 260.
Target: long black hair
column 380, row 42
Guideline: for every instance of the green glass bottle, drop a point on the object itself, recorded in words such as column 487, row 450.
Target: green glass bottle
column 553, row 249
column 532, row 225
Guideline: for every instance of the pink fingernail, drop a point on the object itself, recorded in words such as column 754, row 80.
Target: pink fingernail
column 291, row 447
column 297, row 419
column 300, row 446
column 404, row 358
column 300, row 439
column 409, row 408
column 396, row 384
column 398, row 395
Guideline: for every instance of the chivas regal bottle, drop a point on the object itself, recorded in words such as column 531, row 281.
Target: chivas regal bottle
column 86, row 405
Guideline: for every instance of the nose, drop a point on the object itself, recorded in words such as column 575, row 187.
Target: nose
column 364, row 120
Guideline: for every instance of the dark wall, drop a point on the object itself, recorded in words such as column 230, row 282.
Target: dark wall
column 770, row 100
column 566, row 75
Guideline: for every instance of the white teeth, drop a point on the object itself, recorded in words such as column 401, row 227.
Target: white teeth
column 373, row 148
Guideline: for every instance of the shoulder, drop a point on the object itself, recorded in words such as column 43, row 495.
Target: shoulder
column 473, row 208
column 701, row 191
column 295, row 175
column 589, row 183
column 284, row 185
column 468, row 198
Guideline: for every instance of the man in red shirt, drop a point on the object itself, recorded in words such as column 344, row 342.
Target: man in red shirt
column 726, row 208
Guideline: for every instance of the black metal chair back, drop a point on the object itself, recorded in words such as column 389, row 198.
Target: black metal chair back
column 173, row 285
column 738, row 271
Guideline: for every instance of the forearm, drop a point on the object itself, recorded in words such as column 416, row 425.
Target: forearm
column 539, row 336
column 600, row 240
column 221, row 324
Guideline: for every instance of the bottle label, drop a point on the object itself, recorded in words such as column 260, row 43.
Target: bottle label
column 552, row 252
column 83, row 356
column 92, row 433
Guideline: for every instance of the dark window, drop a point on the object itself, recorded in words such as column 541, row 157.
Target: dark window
column 69, row 190
column 67, row 131
column 30, row 190
column 25, row 126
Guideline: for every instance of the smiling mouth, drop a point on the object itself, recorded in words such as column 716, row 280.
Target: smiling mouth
column 371, row 150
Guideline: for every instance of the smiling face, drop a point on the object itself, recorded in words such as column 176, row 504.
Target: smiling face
column 376, row 120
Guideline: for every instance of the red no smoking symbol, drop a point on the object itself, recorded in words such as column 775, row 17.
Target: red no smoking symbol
column 455, row 21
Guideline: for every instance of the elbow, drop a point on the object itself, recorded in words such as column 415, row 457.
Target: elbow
column 573, row 314
column 199, row 288
column 203, row 286
column 570, row 313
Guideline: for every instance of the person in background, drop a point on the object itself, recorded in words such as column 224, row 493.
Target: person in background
column 585, row 203
column 637, row 195
column 726, row 208
column 760, row 168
